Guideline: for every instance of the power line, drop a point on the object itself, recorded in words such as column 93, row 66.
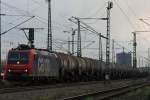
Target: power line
column 31, row 14
column 99, row 10
column 130, row 9
column 126, row 16
column 13, row 7
column 38, row 3
column 44, row 18
column 116, row 42
column 145, row 22
column 17, row 25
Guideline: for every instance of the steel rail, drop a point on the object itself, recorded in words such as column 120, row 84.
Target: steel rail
column 107, row 94
column 39, row 87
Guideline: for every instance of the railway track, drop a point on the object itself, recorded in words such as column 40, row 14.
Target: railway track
column 108, row 94
column 59, row 86
column 30, row 88
column 39, row 87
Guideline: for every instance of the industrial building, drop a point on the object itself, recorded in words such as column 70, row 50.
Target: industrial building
column 124, row 58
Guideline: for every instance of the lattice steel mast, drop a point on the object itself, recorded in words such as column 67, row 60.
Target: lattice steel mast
column 134, row 51
column 49, row 38
column 0, row 37
column 110, row 4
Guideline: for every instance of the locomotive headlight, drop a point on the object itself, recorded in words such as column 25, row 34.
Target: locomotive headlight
column 2, row 74
column 18, row 62
column 26, row 70
column 9, row 70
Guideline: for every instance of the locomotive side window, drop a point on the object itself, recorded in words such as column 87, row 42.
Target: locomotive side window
column 14, row 57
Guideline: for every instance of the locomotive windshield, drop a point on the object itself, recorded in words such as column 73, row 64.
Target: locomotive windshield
column 15, row 57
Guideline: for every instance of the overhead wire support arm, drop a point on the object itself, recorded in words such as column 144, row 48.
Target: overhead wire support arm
column 23, row 29
column 15, row 15
column 89, row 28
column 25, row 34
column 143, row 20
column 17, row 25
column 94, row 18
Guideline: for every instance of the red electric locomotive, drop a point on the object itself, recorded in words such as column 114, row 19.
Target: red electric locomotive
column 24, row 62
column 19, row 63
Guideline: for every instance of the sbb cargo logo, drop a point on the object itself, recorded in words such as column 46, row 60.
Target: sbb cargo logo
column 43, row 65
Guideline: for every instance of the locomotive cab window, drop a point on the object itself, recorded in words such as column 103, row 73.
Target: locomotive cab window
column 14, row 57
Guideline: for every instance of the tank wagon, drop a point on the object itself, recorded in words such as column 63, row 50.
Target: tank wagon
column 39, row 64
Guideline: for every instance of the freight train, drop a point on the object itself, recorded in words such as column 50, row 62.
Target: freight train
column 24, row 62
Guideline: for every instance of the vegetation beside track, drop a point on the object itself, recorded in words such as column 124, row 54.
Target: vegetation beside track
column 139, row 94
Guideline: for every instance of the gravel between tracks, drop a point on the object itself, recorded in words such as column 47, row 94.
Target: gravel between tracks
column 58, row 93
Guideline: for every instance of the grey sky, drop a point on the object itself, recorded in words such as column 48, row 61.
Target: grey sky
column 121, row 25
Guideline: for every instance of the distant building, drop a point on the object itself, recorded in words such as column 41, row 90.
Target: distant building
column 124, row 58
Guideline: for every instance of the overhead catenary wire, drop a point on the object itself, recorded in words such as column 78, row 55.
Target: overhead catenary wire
column 13, row 7
column 130, row 9
column 133, row 12
column 17, row 25
column 43, row 21
column 38, row 3
column 28, row 13
column 87, row 27
column 126, row 16
column 136, row 16
column 99, row 10
column 36, row 17
column 121, row 46
column 144, row 22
